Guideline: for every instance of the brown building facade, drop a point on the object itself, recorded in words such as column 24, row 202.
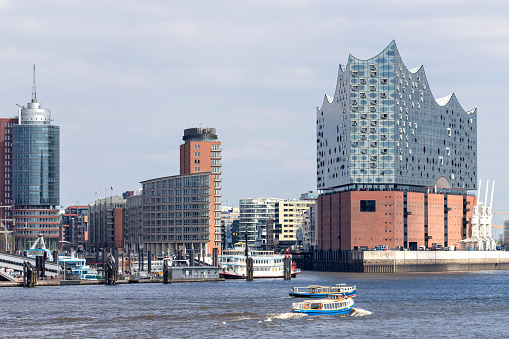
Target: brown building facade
column 357, row 220
column 200, row 153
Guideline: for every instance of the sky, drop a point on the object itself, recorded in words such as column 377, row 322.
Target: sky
column 123, row 79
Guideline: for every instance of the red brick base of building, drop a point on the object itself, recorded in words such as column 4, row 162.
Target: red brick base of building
column 356, row 220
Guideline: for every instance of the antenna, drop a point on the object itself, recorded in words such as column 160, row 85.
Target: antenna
column 34, row 91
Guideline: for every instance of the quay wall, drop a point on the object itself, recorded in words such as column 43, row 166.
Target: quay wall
column 410, row 261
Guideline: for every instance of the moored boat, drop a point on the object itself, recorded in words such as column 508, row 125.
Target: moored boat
column 334, row 304
column 317, row 291
column 266, row 264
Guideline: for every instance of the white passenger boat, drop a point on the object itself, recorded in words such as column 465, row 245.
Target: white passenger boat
column 316, row 291
column 78, row 267
column 266, row 264
column 334, row 304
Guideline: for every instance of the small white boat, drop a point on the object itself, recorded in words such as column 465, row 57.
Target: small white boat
column 334, row 304
column 317, row 291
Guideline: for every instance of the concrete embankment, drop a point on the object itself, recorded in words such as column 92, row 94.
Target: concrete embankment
column 412, row 261
column 434, row 261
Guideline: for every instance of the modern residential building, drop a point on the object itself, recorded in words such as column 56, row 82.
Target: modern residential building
column 35, row 175
column 133, row 220
column 75, row 227
column 183, row 212
column 256, row 213
column 289, row 217
column 308, row 229
column 228, row 216
column 178, row 214
column 201, row 153
column 394, row 164
column 106, row 218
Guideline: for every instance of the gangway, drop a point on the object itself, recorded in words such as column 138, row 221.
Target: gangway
column 4, row 276
column 15, row 262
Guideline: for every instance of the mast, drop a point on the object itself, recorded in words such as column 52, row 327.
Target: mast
column 34, row 91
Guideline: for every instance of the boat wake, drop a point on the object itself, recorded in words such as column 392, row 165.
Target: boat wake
column 289, row 315
column 359, row 312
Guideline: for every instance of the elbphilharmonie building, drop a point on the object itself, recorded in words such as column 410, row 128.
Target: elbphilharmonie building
column 395, row 166
column 384, row 128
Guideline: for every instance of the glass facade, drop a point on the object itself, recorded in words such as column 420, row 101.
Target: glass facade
column 36, row 165
column 255, row 213
column 177, row 212
column 384, row 127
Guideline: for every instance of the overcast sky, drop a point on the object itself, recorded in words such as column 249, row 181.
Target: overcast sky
column 124, row 79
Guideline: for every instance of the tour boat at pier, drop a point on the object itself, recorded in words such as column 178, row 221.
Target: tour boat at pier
column 335, row 304
column 78, row 267
column 316, row 291
column 266, row 264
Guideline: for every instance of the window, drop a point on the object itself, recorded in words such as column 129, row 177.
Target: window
column 368, row 205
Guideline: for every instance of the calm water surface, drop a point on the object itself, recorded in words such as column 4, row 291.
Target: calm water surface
column 396, row 305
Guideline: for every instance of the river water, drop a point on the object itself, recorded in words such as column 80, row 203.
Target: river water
column 474, row 304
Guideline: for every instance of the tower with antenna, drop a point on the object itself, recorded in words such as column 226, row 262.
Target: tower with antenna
column 35, row 174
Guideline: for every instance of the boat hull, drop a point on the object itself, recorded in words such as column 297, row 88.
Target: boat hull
column 236, row 276
column 346, row 310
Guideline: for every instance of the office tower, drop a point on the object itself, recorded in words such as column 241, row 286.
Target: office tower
column 36, row 175
column 6, row 216
column 397, row 153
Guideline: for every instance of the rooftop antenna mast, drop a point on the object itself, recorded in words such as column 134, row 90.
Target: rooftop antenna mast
column 34, row 91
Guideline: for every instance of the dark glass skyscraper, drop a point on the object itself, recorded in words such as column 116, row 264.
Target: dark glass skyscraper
column 36, row 159
column 36, row 175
